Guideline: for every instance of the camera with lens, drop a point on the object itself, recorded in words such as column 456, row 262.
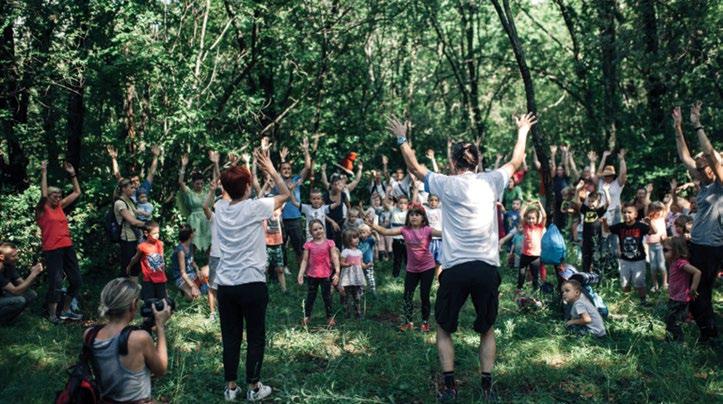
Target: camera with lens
column 147, row 308
column 147, row 311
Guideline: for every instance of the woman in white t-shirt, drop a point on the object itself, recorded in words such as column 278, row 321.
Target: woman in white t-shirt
column 241, row 272
column 470, row 245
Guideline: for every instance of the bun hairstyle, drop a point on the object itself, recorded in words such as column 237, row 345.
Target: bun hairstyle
column 122, row 183
column 117, row 297
column 465, row 156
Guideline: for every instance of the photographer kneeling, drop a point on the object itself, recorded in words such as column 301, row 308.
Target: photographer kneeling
column 123, row 360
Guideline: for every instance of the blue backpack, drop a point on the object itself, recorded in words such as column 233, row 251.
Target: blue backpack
column 553, row 246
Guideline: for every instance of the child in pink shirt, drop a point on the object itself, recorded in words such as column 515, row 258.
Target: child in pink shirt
column 417, row 236
column 319, row 256
column 681, row 290
column 533, row 226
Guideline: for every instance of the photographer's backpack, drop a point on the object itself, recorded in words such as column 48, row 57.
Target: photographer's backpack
column 81, row 387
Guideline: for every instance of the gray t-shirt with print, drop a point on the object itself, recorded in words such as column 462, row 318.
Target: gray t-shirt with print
column 708, row 222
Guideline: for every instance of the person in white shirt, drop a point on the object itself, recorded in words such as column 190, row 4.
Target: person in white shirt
column 241, row 272
column 470, row 245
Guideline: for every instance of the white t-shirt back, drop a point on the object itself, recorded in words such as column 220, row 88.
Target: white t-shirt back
column 241, row 240
column 434, row 216
column 469, row 214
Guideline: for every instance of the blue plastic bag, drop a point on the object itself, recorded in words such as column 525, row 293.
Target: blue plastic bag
column 553, row 246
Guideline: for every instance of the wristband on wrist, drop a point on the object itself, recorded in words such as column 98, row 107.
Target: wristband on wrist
column 401, row 140
column 698, row 128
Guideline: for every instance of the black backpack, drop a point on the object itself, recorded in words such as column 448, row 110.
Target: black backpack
column 112, row 227
column 81, row 387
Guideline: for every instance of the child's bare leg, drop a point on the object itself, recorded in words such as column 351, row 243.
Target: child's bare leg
column 281, row 277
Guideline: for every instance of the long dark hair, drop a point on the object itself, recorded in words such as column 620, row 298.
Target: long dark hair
column 419, row 210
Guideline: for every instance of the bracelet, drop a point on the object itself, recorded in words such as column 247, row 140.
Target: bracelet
column 698, row 128
column 73, row 176
column 401, row 140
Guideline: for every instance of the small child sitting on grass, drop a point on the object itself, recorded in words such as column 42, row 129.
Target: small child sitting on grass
column 584, row 317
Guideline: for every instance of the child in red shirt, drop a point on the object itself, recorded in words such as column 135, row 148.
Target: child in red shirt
column 153, row 266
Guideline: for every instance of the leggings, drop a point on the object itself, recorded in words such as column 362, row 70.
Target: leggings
column 677, row 312
column 62, row 261
column 411, row 281
column 236, row 304
column 313, row 284
column 399, row 250
column 534, row 263
column 371, row 281
column 708, row 260
column 353, row 299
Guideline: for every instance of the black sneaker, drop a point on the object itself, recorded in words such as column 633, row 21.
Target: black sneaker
column 447, row 394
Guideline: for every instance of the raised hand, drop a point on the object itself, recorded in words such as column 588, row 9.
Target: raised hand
column 265, row 144
column 323, row 167
column 674, row 185
column 232, row 159
column 263, row 161
column 396, row 127
column 525, row 122
column 499, row 156
column 592, row 155
column 606, row 154
column 155, row 150
column 649, row 188
column 695, row 113
column 553, row 149
column 677, row 117
column 112, row 152
column 621, row 154
column 430, row 154
column 564, row 149
column 184, row 160
column 385, row 160
column 246, row 158
column 214, row 156
column 44, row 165
column 283, row 153
column 69, row 168
column 305, row 144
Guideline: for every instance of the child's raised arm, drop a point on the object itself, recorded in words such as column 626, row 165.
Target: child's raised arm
column 209, row 199
column 543, row 214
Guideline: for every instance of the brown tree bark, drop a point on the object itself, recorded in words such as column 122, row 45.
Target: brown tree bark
column 538, row 140
column 607, row 13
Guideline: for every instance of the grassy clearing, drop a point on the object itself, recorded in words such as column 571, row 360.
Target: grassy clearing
column 369, row 361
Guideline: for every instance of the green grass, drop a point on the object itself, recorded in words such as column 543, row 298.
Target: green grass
column 370, row 361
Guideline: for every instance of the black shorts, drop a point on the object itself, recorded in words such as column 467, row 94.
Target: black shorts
column 150, row 290
column 456, row 283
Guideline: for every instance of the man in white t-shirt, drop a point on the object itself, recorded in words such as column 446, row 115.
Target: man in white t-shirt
column 613, row 185
column 470, row 245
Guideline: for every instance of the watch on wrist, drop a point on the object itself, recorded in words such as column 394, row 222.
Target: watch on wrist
column 401, row 140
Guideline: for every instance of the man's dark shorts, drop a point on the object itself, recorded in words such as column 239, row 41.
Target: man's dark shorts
column 476, row 278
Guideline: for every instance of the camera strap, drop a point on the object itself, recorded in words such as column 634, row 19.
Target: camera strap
column 123, row 339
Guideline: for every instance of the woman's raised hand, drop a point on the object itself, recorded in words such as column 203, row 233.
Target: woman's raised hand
column 69, row 168
column 525, row 122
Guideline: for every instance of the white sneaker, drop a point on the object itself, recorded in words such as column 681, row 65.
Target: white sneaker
column 286, row 271
column 259, row 393
column 230, row 395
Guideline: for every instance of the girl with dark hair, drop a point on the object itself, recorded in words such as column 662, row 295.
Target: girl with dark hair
column 241, row 272
column 417, row 236
column 57, row 244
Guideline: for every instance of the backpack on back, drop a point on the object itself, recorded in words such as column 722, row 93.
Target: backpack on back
column 81, row 387
column 113, row 228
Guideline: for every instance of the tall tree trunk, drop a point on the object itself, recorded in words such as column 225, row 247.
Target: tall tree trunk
column 654, row 86
column 467, row 11
column 14, row 103
column 541, row 147
column 607, row 12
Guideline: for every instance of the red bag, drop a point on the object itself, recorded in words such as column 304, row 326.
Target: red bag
column 81, row 387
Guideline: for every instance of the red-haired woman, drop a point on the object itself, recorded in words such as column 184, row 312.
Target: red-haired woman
column 241, row 272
